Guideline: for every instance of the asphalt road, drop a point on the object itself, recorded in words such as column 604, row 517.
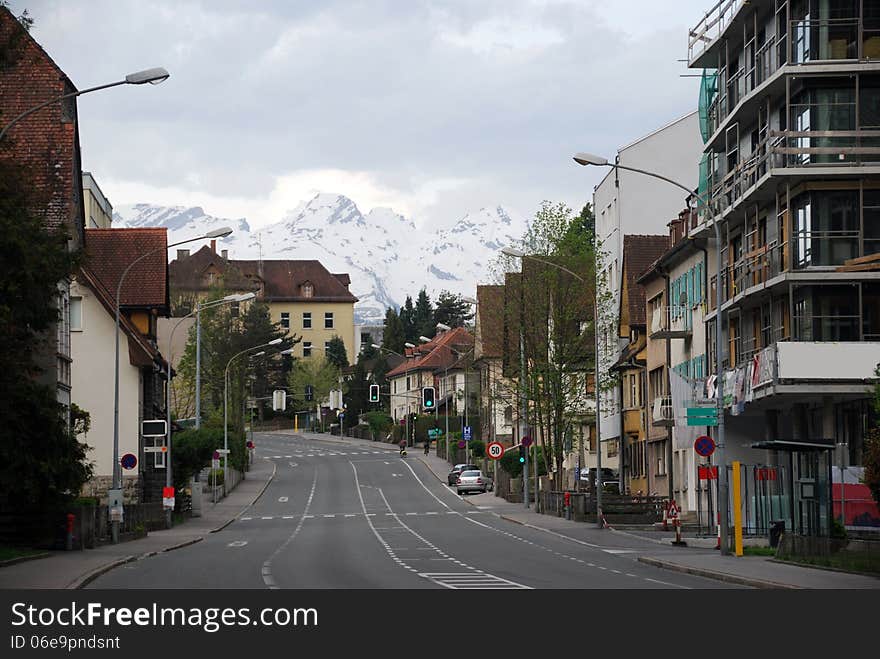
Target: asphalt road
column 347, row 516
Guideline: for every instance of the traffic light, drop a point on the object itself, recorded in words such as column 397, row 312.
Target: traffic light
column 310, row 392
column 428, row 398
column 522, row 453
column 374, row 393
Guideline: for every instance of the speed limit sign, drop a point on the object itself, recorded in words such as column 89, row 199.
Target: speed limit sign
column 495, row 450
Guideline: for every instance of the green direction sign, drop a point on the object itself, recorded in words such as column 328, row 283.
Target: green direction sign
column 702, row 416
column 435, row 432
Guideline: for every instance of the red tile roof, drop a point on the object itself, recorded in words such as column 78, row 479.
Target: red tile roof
column 283, row 280
column 110, row 251
column 437, row 354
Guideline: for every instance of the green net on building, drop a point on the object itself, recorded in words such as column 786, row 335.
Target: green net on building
column 708, row 88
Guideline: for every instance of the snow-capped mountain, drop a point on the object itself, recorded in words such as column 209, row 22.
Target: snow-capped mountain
column 387, row 256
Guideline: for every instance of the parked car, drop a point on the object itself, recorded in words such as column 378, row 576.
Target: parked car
column 473, row 480
column 609, row 477
column 456, row 470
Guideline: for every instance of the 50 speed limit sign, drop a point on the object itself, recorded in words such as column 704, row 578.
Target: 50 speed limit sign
column 495, row 450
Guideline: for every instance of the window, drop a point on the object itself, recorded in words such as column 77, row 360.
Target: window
column 76, row 314
column 285, row 320
column 328, row 320
column 307, row 289
column 307, row 348
column 307, row 320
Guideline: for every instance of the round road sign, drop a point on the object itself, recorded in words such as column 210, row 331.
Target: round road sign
column 704, row 446
column 526, row 441
column 128, row 461
column 461, row 443
column 495, row 450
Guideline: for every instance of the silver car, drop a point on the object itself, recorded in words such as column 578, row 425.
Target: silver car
column 473, row 481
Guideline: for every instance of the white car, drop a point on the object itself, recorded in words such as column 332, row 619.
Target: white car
column 473, row 481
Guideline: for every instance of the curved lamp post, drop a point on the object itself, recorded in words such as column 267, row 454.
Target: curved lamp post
column 117, row 472
column 226, row 300
column 598, row 161
column 273, row 342
column 153, row 76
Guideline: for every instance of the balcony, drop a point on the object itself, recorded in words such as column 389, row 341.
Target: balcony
column 795, row 153
column 671, row 322
column 662, row 412
column 846, row 360
column 832, row 39
column 753, row 269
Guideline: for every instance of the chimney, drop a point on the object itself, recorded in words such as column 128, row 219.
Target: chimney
column 213, row 246
column 182, row 254
column 225, row 253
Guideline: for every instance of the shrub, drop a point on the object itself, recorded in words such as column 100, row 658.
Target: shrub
column 191, row 450
column 478, row 448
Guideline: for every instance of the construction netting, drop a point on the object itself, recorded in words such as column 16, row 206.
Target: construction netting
column 708, row 89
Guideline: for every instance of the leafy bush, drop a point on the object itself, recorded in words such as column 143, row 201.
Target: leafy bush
column 478, row 448
column 191, row 450
column 216, row 477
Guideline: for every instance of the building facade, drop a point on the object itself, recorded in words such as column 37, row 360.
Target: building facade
column 790, row 109
column 627, row 202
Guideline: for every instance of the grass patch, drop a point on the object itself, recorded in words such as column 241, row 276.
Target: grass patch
column 758, row 551
column 851, row 561
column 8, row 553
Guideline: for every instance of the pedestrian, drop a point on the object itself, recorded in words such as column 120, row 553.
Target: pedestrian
column 427, row 446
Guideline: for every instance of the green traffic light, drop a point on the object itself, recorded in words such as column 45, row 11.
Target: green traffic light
column 522, row 459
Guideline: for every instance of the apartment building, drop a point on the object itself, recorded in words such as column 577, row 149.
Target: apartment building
column 790, row 114
column 97, row 208
column 627, row 202
column 498, row 394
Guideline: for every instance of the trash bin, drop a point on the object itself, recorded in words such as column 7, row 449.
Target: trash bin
column 777, row 528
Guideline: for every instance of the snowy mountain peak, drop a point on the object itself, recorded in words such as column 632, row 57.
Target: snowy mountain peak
column 385, row 253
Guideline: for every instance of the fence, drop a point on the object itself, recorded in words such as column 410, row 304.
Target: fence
column 616, row 508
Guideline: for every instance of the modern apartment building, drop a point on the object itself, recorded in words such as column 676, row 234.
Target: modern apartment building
column 790, row 115
column 629, row 203
column 97, row 208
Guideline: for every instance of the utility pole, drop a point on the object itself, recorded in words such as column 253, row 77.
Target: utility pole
column 524, row 406
column 598, row 482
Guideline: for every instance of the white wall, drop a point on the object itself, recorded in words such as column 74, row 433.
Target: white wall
column 92, row 376
column 632, row 203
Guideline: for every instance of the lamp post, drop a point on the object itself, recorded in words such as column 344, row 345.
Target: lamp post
column 598, row 161
column 168, row 475
column 117, row 474
column 198, row 313
column 406, row 376
column 153, row 76
column 512, row 251
column 273, row 342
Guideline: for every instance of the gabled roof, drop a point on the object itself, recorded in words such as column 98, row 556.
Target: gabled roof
column 188, row 273
column 639, row 252
column 141, row 351
column 437, row 354
column 110, row 251
column 283, row 280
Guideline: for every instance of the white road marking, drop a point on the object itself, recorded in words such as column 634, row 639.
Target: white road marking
column 282, row 499
column 268, row 579
column 293, row 464
column 237, row 543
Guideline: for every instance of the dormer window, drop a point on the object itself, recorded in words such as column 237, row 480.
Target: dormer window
column 307, row 290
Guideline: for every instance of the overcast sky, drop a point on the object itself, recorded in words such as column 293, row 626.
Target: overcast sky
column 432, row 108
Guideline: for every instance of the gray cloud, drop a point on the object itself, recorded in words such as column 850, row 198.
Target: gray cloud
column 494, row 94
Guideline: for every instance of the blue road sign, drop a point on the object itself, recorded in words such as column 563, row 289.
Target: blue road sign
column 461, row 443
column 704, row 446
column 466, row 433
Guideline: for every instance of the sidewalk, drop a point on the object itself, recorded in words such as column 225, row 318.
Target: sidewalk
column 75, row 569
column 649, row 547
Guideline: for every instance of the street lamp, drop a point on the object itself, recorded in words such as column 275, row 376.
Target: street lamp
column 168, row 475
column 406, row 375
column 590, row 159
column 242, row 297
column 153, row 76
column 516, row 253
column 117, row 473
column 273, row 342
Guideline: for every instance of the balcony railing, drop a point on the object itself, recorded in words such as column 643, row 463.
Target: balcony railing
column 757, row 267
column 662, row 412
column 833, row 39
column 789, row 149
column 674, row 322
column 711, row 26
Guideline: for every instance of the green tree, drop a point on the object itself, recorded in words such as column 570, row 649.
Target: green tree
column 871, row 449
column 393, row 337
column 336, row 353
column 407, row 321
column 356, row 393
column 423, row 317
column 42, row 463
column 320, row 374
column 451, row 310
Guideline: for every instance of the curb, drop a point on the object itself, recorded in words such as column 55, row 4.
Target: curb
column 83, row 581
column 238, row 514
column 24, row 559
column 718, row 576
